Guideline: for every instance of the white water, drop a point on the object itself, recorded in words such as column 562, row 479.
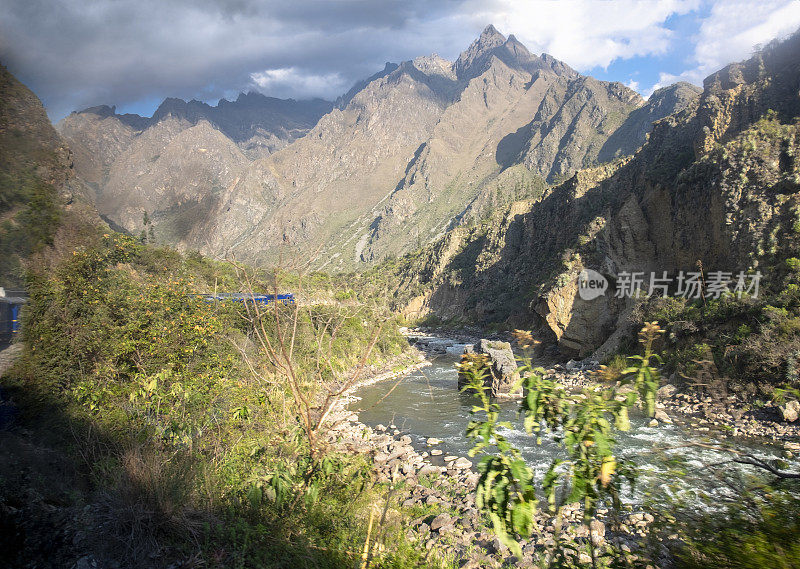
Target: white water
column 427, row 404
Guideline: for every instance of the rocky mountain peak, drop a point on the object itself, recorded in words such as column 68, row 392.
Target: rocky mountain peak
column 478, row 51
column 105, row 111
column 433, row 65
column 345, row 99
column 558, row 66
column 491, row 37
column 492, row 45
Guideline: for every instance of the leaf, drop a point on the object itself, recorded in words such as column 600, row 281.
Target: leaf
column 522, row 518
column 622, row 421
column 579, row 488
column 502, row 534
column 607, row 470
column 255, row 495
column 521, row 472
column 312, row 494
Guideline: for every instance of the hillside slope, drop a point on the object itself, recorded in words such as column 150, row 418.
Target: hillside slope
column 35, row 177
column 717, row 183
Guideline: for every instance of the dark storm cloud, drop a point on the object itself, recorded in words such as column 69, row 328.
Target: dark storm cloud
column 75, row 54
column 79, row 53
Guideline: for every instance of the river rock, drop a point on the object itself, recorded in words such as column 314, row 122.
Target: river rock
column 428, row 470
column 790, row 411
column 461, row 463
column 662, row 416
column 597, row 530
column 666, row 392
column 502, row 366
column 440, row 521
column 433, row 441
column 436, row 452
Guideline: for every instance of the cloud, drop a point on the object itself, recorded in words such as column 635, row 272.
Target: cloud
column 75, row 54
column 731, row 32
column 586, row 33
column 290, row 81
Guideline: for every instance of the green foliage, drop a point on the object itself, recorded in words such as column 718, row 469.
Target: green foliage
column 761, row 533
column 583, row 423
column 32, row 216
column 505, row 488
column 119, row 340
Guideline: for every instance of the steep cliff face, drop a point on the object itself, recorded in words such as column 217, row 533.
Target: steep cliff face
column 716, row 183
column 36, row 180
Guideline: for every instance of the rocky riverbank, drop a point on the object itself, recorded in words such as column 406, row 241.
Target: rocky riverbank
column 435, row 494
column 728, row 415
column 439, row 503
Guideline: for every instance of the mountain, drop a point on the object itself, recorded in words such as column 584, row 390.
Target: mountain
column 417, row 149
column 716, row 183
column 36, row 178
column 172, row 165
column 258, row 124
column 407, row 154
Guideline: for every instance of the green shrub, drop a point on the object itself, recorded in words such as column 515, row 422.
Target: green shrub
column 760, row 532
column 183, row 429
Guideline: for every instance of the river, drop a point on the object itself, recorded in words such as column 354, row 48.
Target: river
column 426, row 404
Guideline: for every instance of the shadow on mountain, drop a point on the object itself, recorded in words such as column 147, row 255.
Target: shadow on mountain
column 510, row 147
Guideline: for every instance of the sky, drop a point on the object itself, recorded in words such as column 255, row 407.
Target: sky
column 134, row 53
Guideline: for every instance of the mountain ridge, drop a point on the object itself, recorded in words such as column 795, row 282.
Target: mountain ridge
column 399, row 158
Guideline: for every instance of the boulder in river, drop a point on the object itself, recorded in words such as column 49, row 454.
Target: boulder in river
column 500, row 363
column 790, row 411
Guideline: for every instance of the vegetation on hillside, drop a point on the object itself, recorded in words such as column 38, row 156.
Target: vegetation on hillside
column 29, row 216
column 185, row 436
column 31, row 168
column 751, row 341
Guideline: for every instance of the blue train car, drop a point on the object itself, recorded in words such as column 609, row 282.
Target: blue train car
column 264, row 299
column 10, row 304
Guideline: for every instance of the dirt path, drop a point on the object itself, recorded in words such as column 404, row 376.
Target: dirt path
column 7, row 356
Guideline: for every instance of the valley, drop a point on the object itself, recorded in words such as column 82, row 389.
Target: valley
column 471, row 375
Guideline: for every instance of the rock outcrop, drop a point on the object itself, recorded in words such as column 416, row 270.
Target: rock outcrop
column 500, row 367
column 790, row 411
